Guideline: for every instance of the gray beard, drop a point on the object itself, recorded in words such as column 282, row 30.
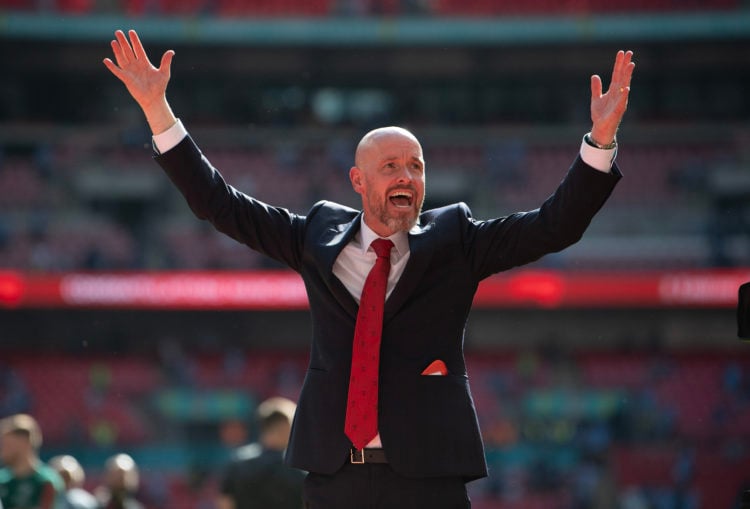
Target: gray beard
column 402, row 224
column 397, row 224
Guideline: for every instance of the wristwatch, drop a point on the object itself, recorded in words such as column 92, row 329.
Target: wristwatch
column 609, row 146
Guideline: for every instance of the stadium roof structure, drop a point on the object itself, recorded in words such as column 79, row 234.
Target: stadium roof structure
column 392, row 31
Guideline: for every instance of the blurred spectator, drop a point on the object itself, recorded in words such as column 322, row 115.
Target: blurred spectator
column 14, row 395
column 729, row 223
column 177, row 364
column 103, row 433
column 593, row 485
column 233, row 434
column 257, row 477
column 235, row 364
column 73, row 476
column 633, row 498
column 506, row 162
column 121, row 483
column 732, row 380
column 100, row 378
column 25, row 482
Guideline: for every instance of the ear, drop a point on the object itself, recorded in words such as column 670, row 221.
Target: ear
column 356, row 177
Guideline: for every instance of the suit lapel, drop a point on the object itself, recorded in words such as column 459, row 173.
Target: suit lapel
column 331, row 244
column 338, row 236
column 420, row 254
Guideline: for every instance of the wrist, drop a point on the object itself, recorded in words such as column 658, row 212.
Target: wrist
column 159, row 116
column 599, row 143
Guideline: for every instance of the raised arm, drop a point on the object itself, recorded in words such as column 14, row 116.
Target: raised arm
column 500, row 244
column 273, row 231
column 146, row 83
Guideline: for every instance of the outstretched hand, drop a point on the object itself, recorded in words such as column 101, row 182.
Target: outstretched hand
column 607, row 109
column 146, row 83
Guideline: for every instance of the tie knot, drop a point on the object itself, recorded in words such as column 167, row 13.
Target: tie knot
column 382, row 247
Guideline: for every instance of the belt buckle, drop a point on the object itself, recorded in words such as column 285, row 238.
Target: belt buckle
column 353, row 456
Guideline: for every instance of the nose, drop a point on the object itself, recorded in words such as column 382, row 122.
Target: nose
column 405, row 174
column 404, row 177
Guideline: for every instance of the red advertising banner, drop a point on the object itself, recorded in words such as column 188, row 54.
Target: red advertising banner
column 284, row 290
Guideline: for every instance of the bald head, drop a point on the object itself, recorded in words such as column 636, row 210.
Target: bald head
column 371, row 140
column 69, row 469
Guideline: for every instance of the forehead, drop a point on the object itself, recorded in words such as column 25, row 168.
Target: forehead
column 12, row 436
column 392, row 146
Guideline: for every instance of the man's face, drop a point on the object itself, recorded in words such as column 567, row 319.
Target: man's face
column 115, row 479
column 390, row 176
column 12, row 448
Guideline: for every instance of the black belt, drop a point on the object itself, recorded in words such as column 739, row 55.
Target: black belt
column 362, row 456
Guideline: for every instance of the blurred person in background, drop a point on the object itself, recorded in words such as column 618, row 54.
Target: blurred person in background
column 26, row 482
column 14, row 394
column 257, row 477
column 121, row 481
column 388, row 282
column 73, row 476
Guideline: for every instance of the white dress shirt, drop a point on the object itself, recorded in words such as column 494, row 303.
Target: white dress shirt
column 354, row 262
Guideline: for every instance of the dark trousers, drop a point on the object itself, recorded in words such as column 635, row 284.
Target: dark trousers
column 377, row 486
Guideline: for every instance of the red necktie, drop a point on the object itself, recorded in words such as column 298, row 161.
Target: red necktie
column 361, row 423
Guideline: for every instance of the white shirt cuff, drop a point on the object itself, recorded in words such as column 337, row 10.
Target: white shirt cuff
column 597, row 158
column 169, row 139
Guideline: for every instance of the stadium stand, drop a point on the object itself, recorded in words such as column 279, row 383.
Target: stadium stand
column 86, row 230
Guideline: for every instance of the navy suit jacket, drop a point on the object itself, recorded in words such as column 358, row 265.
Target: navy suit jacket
column 428, row 424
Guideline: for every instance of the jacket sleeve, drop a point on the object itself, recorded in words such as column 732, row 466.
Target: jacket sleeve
column 500, row 244
column 273, row 231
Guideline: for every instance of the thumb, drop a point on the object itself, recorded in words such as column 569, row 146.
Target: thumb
column 166, row 61
column 596, row 86
column 114, row 69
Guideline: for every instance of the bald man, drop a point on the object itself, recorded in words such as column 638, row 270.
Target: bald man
column 374, row 428
column 73, row 476
column 257, row 478
column 121, row 482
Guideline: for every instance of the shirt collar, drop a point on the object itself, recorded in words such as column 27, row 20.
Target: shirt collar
column 366, row 236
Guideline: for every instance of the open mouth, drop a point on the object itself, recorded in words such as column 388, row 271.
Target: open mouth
column 401, row 199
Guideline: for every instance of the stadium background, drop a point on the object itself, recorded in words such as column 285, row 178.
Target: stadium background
column 609, row 375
